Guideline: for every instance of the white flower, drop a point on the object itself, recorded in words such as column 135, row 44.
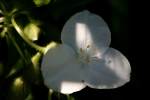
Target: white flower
column 84, row 57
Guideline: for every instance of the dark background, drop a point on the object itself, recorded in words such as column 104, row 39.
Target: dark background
column 53, row 16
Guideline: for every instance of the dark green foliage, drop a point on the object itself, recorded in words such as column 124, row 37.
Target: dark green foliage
column 51, row 15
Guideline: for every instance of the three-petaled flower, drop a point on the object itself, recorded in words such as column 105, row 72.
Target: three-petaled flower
column 84, row 57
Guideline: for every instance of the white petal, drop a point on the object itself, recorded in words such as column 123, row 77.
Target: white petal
column 61, row 71
column 86, row 30
column 110, row 72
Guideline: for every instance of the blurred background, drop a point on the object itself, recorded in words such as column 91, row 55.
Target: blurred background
column 20, row 77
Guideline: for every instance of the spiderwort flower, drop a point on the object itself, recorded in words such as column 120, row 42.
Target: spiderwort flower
column 84, row 57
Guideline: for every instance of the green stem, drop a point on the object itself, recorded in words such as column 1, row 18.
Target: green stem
column 17, row 47
column 21, row 33
column 2, row 6
column 69, row 97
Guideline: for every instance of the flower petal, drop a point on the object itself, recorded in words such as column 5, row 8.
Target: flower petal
column 86, row 30
column 61, row 71
column 110, row 72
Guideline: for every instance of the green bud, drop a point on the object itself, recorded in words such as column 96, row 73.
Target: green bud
column 39, row 3
column 32, row 31
column 18, row 89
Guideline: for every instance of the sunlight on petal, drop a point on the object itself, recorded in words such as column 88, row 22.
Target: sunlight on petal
column 83, row 36
column 84, row 30
column 85, row 42
column 68, row 87
column 80, row 34
column 59, row 65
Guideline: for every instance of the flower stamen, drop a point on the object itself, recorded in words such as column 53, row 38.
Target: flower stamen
column 88, row 46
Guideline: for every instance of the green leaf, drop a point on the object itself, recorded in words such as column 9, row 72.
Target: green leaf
column 39, row 3
column 29, row 97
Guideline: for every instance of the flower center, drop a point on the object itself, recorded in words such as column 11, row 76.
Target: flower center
column 83, row 55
